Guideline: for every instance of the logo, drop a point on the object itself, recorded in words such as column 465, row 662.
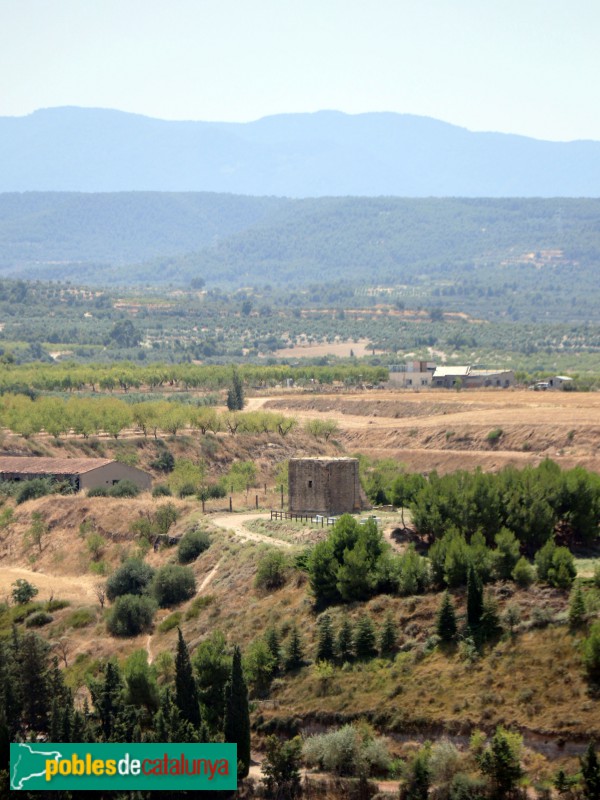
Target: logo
column 35, row 767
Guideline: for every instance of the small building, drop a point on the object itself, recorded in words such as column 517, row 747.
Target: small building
column 471, row 378
column 412, row 375
column 449, row 377
column 560, row 382
column 82, row 473
column 325, row 486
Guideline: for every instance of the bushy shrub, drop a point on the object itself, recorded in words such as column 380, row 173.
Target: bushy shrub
column 81, row 617
column 57, row 605
column 164, row 461
column 132, row 577
column 31, row 490
column 38, row 619
column 191, row 545
column 170, row 622
column 271, row 572
column 523, row 574
column 173, row 584
column 23, row 591
column 124, row 489
column 98, row 491
column 161, row 490
column 555, row 565
column 494, row 435
column 130, row 615
column 347, row 751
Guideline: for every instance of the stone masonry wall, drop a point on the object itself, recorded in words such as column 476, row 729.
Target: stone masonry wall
column 324, row 486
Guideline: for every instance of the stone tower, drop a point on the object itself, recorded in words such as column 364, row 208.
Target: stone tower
column 325, row 486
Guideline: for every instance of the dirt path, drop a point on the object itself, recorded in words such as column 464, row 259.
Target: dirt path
column 64, row 587
column 209, row 576
column 236, row 523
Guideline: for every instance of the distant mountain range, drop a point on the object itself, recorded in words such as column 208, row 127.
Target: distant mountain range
column 290, row 155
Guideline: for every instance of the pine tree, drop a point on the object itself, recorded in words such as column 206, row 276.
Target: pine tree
column 236, row 727
column 364, row 638
column 501, row 762
column 274, row 645
column 325, row 643
column 388, row 637
column 345, row 641
column 295, row 651
column 419, row 777
column 576, row 608
column 281, row 768
column 474, row 598
column 186, row 691
column 445, row 625
column 590, row 773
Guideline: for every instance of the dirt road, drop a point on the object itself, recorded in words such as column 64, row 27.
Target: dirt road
column 237, row 524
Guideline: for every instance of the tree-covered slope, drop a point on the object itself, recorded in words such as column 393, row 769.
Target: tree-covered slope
column 120, row 227
column 232, row 239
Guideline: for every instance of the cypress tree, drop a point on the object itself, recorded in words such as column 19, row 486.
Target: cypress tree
column 236, row 726
column 55, row 731
column 445, row 625
column 108, row 700
column 235, row 395
column 186, row 691
column 364, row 638
column 325, row 643
column 474, row 598
column 345, row 641
column 388, row 638
column 35, row 682
column 295, row 652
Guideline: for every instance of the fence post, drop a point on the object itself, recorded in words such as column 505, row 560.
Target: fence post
column 257, row 501
column 230, row 503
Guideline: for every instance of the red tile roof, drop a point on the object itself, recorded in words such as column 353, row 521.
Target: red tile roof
column 38, row 465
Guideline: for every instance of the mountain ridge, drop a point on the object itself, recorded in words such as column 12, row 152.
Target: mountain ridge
column 318, row 154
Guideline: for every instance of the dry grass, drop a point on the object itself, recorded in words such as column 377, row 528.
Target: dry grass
column 413, row 427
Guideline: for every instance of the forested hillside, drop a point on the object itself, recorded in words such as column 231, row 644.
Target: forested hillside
column 465, row 247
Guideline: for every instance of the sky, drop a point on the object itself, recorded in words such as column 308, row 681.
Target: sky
column 529, row 67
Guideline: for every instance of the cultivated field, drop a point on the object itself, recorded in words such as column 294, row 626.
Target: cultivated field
column 448, row 430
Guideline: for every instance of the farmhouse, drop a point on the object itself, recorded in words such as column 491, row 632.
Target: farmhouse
column 412, row 375
column 325, row 486
column 82, row 473
column 470, row 378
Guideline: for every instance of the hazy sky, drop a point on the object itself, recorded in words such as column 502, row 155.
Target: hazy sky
column 520, row 66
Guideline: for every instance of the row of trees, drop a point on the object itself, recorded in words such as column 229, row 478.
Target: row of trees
column 85, row 416
column 125, row 376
